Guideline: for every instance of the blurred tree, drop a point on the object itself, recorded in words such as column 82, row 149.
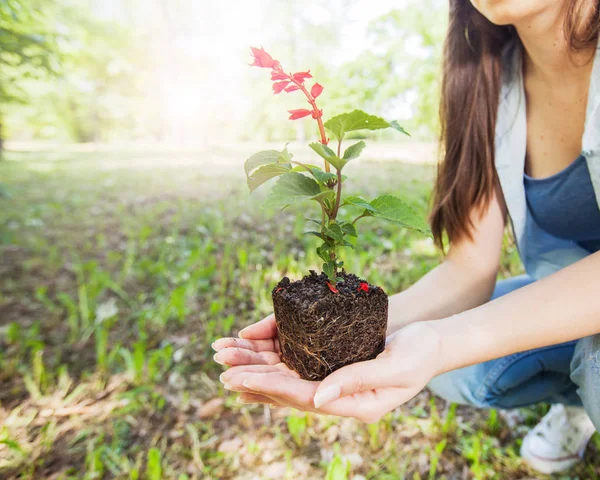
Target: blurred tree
column 96, row 96
column 28, row 49
column 396, row 75
column 402, row 67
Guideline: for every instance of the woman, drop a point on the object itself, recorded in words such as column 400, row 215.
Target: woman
column 521, row 135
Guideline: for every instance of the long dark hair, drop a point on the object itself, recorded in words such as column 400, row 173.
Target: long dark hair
column 469, row 105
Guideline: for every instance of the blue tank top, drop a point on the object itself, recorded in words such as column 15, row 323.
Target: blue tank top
column 565, row 206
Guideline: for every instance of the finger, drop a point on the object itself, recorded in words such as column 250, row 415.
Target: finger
column 290, row 389
column 355, row 378
column 241, row 356
column 235, row 381
column 262, row 330
column 286, row 394
column 228, row 375
column 367, row 406
column 268, row 345
column 299, row 394
column 250, row 398
column 371, row 405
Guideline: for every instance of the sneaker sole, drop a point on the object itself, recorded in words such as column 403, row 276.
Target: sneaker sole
column 548, row 466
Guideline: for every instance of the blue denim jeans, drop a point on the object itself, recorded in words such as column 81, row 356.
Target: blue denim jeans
column 568, row 373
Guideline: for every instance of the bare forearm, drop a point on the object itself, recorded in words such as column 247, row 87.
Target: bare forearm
column 448, row 289
column 562, row 307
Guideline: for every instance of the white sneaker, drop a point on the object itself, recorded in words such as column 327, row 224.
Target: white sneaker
column 558, row 442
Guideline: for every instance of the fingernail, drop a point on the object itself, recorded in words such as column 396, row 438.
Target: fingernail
column 217, row 360
column 212, row 345
column 327, row 395
column 241, row 333
column 222, row 378
column 246, row 383
column 242, row 401
column 227, row 386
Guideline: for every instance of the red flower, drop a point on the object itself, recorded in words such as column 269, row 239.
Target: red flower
column 332, row 288
column 263, row 59
column 364, row 286
column 277, row 75
column 301, row 113
column 292, row 88
column 316, row 90
column 301, row 76
column 279, row 86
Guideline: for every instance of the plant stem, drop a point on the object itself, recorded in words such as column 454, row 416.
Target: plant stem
column 316, row 115
column 339, row 148
column 338, row 197
column 358, row 218
column 300, row 164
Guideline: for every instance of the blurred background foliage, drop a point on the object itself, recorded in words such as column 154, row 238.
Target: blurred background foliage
column 123, row 258
column 175, row 71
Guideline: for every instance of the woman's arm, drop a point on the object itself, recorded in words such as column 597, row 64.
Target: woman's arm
column 561, row 307
column 465, row 279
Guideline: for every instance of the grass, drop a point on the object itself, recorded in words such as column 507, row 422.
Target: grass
column 118, row 270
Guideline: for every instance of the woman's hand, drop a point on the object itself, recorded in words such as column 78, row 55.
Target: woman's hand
column 257, row 345
column 256, row 349
column 365, row 390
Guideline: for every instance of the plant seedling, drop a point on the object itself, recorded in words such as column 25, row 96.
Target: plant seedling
column 327, row 320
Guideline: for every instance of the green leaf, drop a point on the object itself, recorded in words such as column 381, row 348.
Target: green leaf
column 396, row 126
column 316, row 234
column 286, row 157
column 354, row 151
column 328, row 154
column 321, row 176
column 267, row 157
column 261, row 158
column 334, row 231
column 153, row 465
column 348, row 229
column 358, row 202
column 357, row 120
column 348, row 244
column 263, row 166
column 329, row 270
column 266, row 172
column 293, row 187
column 326, row 196
column 338, row 469
column 301, row 168
column 323, row 252
column 393, row 209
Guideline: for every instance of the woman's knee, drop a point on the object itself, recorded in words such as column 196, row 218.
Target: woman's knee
column 585, row 373
column 459, row 386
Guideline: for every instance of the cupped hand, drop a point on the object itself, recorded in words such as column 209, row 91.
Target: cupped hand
column 365, row 390
column 256, row 347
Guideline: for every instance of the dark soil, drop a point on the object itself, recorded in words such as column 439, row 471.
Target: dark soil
column 321, row 331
